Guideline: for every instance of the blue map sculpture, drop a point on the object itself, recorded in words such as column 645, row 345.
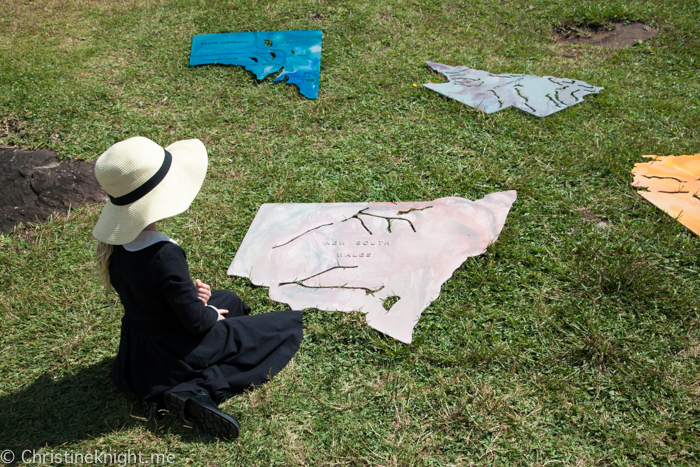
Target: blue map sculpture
column 264, row 53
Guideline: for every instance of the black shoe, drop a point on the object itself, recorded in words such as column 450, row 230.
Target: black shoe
column 150, row 410
column 200, row 409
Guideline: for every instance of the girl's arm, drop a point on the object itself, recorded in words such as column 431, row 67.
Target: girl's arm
column 171, row 274
column 204, row 293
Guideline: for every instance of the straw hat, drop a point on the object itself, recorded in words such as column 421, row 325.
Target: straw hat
column 146, row 183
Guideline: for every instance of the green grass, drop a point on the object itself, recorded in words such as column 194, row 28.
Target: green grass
column 574, row 340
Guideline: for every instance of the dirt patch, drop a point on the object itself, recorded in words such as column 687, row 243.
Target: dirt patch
column 12, row 127
column 589, row 216
column 623, row 35
column 693, row 350
column 35, row 184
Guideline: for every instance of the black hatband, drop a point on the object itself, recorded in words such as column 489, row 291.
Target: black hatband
column 146, row 188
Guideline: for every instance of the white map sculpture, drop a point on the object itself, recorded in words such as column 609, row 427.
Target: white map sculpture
column 365, row 256
column 536, row 95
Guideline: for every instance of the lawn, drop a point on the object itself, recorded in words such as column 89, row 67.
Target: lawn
column 575, row 340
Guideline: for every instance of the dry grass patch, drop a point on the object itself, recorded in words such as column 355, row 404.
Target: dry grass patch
column 40, row 18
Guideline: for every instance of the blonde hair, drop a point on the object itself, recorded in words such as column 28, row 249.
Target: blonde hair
column 102, row 253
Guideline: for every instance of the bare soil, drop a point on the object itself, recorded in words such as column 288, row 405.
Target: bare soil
column 623, row 35
column 35, row 184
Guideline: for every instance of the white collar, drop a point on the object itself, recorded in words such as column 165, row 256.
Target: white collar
column 146, row 239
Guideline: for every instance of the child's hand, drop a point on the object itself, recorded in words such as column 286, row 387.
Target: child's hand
column 221, row 314
column 203, row 291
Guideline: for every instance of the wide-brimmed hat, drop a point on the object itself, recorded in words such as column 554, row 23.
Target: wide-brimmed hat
column 146, row 183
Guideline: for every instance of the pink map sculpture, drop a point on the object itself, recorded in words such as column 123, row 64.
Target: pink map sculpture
column 365, row 256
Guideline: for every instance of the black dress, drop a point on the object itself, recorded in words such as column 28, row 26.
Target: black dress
column 171, row 342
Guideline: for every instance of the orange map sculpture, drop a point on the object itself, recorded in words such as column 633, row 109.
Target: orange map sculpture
column 672, row 184
column 387, row 260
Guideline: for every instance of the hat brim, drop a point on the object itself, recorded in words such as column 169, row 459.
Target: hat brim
column 119, row 225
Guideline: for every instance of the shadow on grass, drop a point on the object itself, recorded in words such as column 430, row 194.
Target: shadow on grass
column 52, row 413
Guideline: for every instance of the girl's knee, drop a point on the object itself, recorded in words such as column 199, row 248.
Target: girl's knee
column 229, row 301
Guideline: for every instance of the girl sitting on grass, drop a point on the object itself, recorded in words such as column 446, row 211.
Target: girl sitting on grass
column 183, row 346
